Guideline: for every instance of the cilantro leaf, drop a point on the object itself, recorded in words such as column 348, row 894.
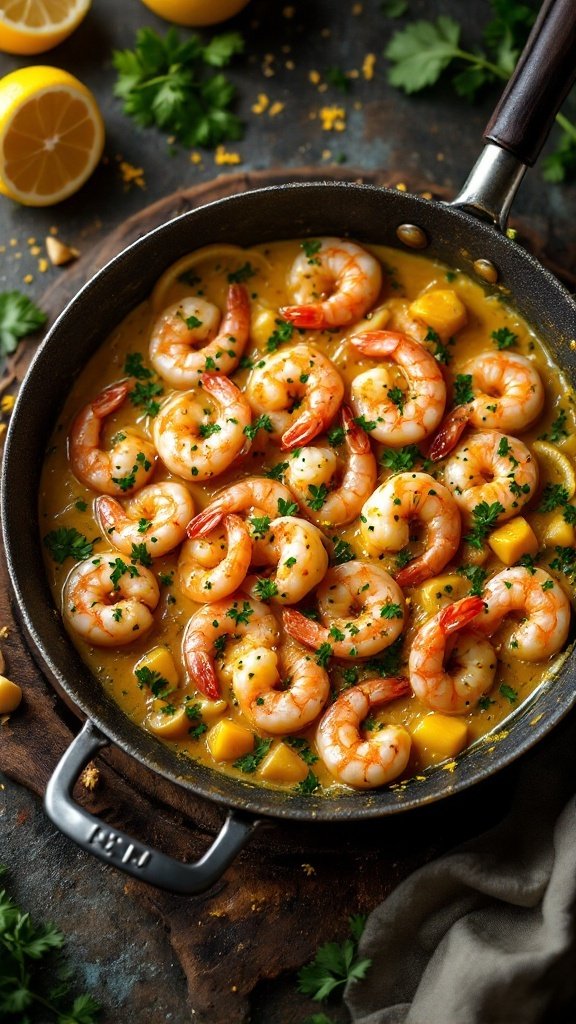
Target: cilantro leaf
column 335, row 964
column 420, row 53
column 504, row 338
column 19, row 316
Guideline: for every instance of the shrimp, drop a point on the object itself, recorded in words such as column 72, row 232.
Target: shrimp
column 213, row 567
column 183, row 326
column 334, row 283
column 131, row 460
column 190, row 446
column 471, row 659
column 509, row 395
column 108, row 603
column 296, row 548
column 156, row 517
column 387, row 515
column 491, row 467
column 255, row 492
column 543, row 606
column 298, row 375
column 398, row 417
column 313, row 470
column 361, row 608
column 233, row 616
column 271, row 705
column 351, row 759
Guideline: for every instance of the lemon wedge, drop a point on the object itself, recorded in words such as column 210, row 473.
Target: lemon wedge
column 195, row 12
column 555, row 467
column 33, row 26
column 51, row 135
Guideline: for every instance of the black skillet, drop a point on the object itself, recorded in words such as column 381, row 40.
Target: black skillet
column 467, row 234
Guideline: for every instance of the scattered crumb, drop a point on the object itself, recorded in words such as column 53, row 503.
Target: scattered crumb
column 7, row 403
column 426, row 195
column 538, row 717
column 401, row 187
column 308, row 870
column 450, row 767
column 267, row 69
column 59, row 253
column 326, row 155
column 420, row 778
column 28, row 278
column 368, row 66
column 13, row 242
column 289, row 65
column 233, row 988
column 314, row 77
column 30, row 241
column 2, row 248
column 262, row 103
column 35, row 250
column 131, row 175
column 53, row 230
column 195, row 157
column 333, row 119
column 224, row 156
column 43, row 265
column 90, row 777
column 4, row 632
column 276, row 109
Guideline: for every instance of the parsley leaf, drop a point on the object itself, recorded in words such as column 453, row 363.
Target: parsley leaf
column 553, row 495
column 262, row 423
column 145, row 394
column 391, row 611
column 420, row 53
column 342, row 552
column 67, row 542
column 484, row 516
column 260, row 526
column 463, row 389
column 504, row 338
column 509, row 693
column 265, row 589
column 240, row 614
column 557, row 429
column 134, row 366
column 318, row 495
column 476, row 576
column 336, row 436
column 400, row 460
column 154, row 681
column 18, row 317
column 335, row 963
column 302, row 748
column 249, row 762
column 287, row 508
column 366, row 425
column 323, row 654
column 284, row 331
column 243, row 273
column 308, row 785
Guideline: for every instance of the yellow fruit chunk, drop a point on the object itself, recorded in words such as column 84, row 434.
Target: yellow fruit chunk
column 558, row 531
column 10, row 696
column 440, row 591
column 33, row 26
column 167, row 723
column 283, row 765
column 554, row 466
column 227, row 740
column 51, row 135
column 161, row 661
column 195, row 12
column 442, row 310
column 210, row 710
column 512, row 540
column 439, row 736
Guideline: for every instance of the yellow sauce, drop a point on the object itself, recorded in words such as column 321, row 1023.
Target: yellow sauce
column 64, row 502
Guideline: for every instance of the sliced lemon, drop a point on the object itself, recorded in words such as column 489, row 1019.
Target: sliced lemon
column 195, row 12
column 555, row 467
column 51, row 135
column 33, row 26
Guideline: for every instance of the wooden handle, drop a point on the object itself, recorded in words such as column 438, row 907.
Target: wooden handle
column 541, row 81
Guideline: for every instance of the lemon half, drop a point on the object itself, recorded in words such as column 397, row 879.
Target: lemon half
column 195, row 12
column 33, row 26
column 555, row 468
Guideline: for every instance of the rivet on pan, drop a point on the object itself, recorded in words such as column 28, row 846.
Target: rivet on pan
column 412, row 236
column 486, row 270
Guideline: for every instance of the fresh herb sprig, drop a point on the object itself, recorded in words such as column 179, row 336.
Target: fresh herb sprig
column 19, row 316
column 335, row 964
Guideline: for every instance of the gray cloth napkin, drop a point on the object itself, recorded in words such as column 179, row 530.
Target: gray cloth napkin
column 486, row 934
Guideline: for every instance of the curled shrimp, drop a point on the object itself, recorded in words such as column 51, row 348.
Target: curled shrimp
column 533, row 597
column 348, row 756
column 182, row 327
column 258, row 493
column 491, row 467
column 361, row 608
column 108, row 603
column 297, row 375
column 312, row 472
column 213, row 567
column 194, row 447
column 156, row 517
column 399, row 417
column 470, row 658
column 387, row 515
column 128, row 464
column 257, row 681
column 334, row 286
column 508, row 395
column 234, row 616
column 296, row 548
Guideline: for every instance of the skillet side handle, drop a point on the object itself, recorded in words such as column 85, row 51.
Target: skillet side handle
column 539, row 84
column 130, row 855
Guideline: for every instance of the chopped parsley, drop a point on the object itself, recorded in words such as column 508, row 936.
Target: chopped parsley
column 508, row 693
column 140, row 554
column 265, row 589
column 119, row 569
column 336, row 436
column 308, row 785
column 463, row 393
column 311, row 247
column 391, row 611
column 558, row 428
column 283, row 333
column 287, row 508
column 565, row 560
column 504, row 446
column 207, row 429
column 302, row 748
column 262, row 423
column 145, row 395
column 504, row 338
column 80, row 505
column 68, row 542
column 154, row 681
column 342, row 551
column 260, row 526
column 323, row 655
column 553, row 495
column 397, row 397
column 249, row 762
column 244, row 273
column 476, row 576
column 484, row 517
column 366, row 425
column 240, row 614
column 318, row 496
column 400, row 460
column 277, row 471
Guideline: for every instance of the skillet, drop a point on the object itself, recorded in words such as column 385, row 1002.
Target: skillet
column 468, row 234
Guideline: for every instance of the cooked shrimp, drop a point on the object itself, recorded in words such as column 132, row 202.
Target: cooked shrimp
column 256, row 681
column 234, row 616
column 508, row 395
column 361, row 608
column 131, row 460
column 450, row 666
column 387, row 515
column 156, row 517
column 313, row 470
column 182, row 327
column 213, row 567
column 298, row 375
column 109, row 603
column 351, row 759
column 333, row 285
column 257, row 493
column 295, row 547
column 399, row 416
column 194, row 447
column 491, row 467
column 542, row 605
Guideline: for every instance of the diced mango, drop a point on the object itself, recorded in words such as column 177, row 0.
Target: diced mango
column 512, row 540
column 283, row 765
column 558, row 531
column 10, row 696
column 160, row 660
column 438, row 736
column 442, row 310
column 440, row 591
column 211, row 710
column 167, row 721
column 227, row 740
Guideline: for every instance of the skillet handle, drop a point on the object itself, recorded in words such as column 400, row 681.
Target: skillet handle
column 543, row 77
column 117, row 848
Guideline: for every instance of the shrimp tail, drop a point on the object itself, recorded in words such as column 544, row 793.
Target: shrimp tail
column 217, row 384
column 380, row 691
column 202, row 673
column 456, row 616
column 356, row 438
column 416, row 572
column 237, row 305
column 302, row 431
column 308, row 632
column 109, row 513
column 110, row 399
column 304, row 316
column 378, row 344
column 205, row 521
column 449, row 433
